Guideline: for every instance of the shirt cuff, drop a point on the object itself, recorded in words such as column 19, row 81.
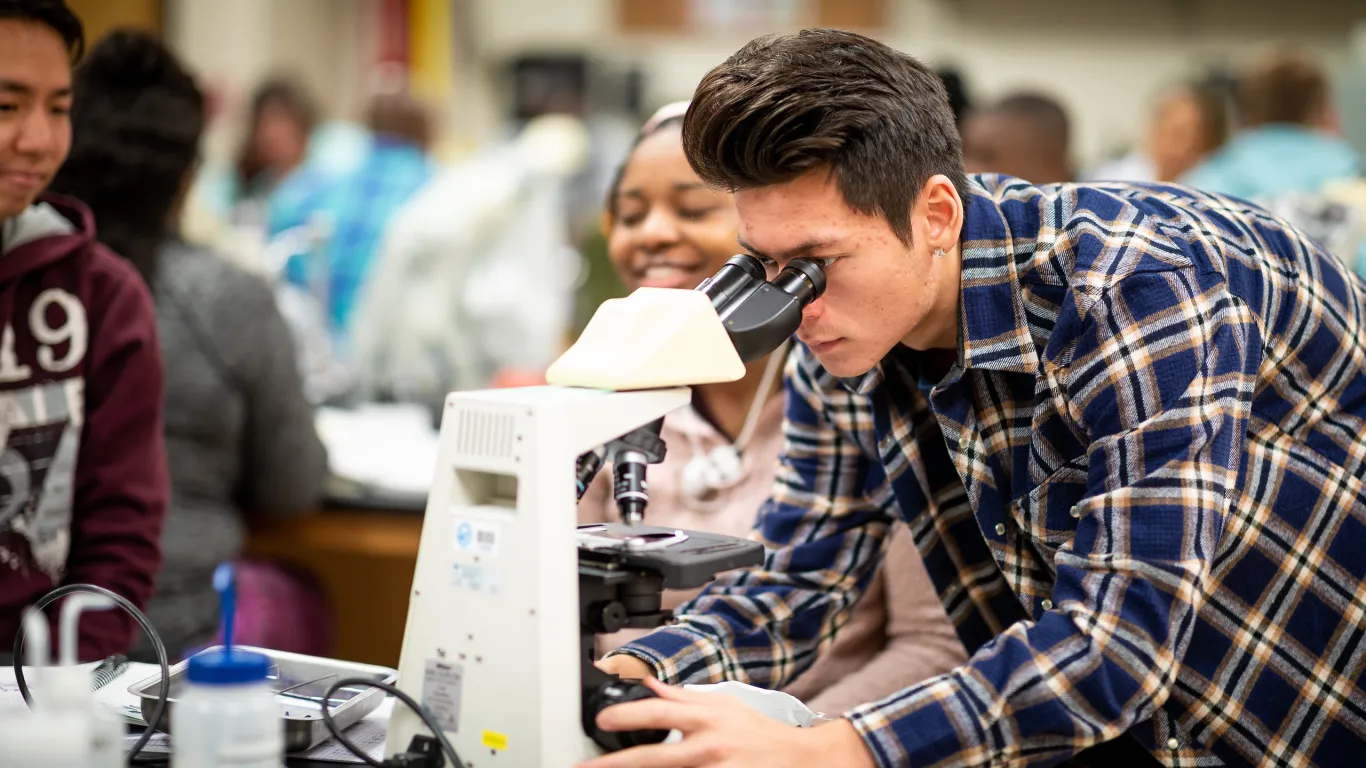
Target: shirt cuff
column 676, row 656
column 931, row 723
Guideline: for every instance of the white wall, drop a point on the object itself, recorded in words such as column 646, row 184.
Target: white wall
column 1105, row 59
column 234, row 44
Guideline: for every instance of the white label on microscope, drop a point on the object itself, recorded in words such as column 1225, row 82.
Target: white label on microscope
column 475, row 578
column 477, row 537
column 441, row 688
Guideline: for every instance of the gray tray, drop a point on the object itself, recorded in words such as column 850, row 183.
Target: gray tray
column 299, row 682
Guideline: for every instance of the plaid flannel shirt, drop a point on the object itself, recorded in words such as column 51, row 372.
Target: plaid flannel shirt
column 1139, row 494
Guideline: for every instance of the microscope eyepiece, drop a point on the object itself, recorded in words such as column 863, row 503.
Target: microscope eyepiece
column 758, row 315
column 738, row 277
column 802, row 279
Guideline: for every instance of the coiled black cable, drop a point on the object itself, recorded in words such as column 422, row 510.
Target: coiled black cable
column 163, row 690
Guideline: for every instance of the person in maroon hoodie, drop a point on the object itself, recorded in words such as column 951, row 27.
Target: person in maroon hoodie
column 83, row 482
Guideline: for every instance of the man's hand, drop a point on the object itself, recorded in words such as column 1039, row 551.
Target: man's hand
column 722, row 732
column 628, row 667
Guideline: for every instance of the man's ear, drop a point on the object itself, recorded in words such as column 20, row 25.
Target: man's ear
column 941, row 208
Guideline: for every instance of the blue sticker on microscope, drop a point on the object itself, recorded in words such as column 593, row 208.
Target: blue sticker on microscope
column 464, row 534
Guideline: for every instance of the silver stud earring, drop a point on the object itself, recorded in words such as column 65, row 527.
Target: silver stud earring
column 939, row 253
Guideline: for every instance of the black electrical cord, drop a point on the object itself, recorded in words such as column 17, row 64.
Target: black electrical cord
column 163, row 691
column 421, row 711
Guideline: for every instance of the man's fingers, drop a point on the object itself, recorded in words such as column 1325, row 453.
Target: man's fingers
column 684, row 754
column 652, row 714
column 676, row 692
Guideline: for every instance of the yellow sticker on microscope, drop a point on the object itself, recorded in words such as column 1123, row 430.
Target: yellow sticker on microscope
column 495, row 740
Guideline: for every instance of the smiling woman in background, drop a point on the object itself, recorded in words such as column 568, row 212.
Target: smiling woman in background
column 667, row 230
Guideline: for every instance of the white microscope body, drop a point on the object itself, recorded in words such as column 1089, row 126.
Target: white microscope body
column 491, row 643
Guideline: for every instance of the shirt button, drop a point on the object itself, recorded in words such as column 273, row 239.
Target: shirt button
column 1173, row 743
column 1076, row 510
column 1000, row 529
column 1047, row 604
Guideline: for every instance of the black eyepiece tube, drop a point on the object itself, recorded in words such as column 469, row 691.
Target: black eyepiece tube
column 739, row 277
column 801, row 279
column 760, row 322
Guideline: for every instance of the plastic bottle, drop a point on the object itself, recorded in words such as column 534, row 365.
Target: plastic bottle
column 64, row 728
column 227, row 715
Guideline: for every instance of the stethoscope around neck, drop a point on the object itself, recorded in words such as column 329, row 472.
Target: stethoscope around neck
column 709, row 472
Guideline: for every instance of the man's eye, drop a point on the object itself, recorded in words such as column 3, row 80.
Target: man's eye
column 9, row 107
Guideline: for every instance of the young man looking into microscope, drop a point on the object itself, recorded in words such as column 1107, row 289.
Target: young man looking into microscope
column 1124, row 425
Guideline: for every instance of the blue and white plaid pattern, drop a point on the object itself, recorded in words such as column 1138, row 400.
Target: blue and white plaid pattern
column 1139, row 493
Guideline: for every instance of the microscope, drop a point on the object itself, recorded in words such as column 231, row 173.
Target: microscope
column 494, row 602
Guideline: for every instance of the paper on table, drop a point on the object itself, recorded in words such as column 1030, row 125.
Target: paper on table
column 115, row 696
column 11, row 700
column 368, row 735
column 391, row 446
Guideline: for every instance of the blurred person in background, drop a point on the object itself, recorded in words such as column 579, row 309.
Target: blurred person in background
column 473, row 285
column 1286, row 141
column 1026, row 135
column 280, row 124
column 239, row 433
column 1189, row 122
column 1288, row 155
column 354, row 206
column 960, row 101
column 81, row 380
column 668, row 230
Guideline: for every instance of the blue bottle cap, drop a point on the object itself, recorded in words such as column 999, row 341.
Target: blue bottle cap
column 229, row 666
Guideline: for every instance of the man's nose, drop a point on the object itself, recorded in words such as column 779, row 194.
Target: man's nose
column 37, row 134
column 812, row 312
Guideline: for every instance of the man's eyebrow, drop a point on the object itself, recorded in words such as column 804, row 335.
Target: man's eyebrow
column 792, row 253
column 14, row 86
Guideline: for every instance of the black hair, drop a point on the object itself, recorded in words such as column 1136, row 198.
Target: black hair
column 51, row 13
column 136, row 120
column 876, row 118
column 673, row 121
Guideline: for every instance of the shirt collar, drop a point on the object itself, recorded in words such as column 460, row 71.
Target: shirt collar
column 993, row 333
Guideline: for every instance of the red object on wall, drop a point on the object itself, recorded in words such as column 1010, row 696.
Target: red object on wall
column 392, row 27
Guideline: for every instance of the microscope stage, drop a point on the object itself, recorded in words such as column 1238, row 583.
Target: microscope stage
column 686, row 559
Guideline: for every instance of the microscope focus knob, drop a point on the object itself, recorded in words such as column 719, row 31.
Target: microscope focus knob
column 607, row 617
column 618, row 692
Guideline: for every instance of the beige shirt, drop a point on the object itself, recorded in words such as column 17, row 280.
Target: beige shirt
column 898, row 634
